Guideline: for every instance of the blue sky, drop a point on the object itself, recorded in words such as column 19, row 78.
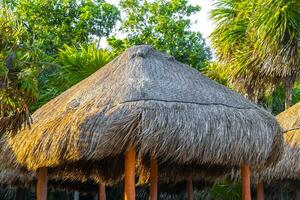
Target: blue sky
column 201, row 21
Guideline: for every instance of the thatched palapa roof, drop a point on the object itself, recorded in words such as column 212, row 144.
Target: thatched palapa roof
column 147, row 99
column 289, row 166
column 13, row 177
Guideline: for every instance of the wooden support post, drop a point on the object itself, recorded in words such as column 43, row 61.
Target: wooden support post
column 246, row 182
column 129, row 193
column 41, row 188
column 189, row 186
column 101, row 192
column 260, row 191
column 153, row 179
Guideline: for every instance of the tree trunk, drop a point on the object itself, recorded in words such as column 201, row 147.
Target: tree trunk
column 153, row 179
column 99, row 41
column 41, row 189
column 260, row 190
column 129, row 193
column 288, row 97
column 289, row 84
column 246, row 182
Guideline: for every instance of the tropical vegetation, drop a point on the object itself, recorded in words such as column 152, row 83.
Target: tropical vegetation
column 257, row 43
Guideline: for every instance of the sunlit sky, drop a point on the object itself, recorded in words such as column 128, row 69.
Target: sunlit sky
column 201, row 21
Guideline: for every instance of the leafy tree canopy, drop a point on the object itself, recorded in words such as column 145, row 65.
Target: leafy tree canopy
column 57, row 22
column 166, row 26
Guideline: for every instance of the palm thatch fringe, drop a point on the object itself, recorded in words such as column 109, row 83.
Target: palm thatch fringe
column 216, row 135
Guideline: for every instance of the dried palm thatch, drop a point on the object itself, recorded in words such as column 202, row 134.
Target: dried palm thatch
column 288, row 167
column 162, row 107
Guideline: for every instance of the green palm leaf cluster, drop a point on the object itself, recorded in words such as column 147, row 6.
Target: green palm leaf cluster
column 257, row 43
column 72, row 64
column 79, row 63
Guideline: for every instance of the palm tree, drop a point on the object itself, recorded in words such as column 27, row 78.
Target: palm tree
column 277, row 24
column 234, row 45
column 257, row 42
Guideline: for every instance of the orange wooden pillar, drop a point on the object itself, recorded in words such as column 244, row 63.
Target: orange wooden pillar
column 153, row 179
column 260, row 191
column 129, row 190
column 246, row 182
column 189, row 186
column 42, row 182
column 101, row 192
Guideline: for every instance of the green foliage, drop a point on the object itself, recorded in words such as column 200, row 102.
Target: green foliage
column 73, row 64
column 279, row 25
column 31, row 33
column 78, row 64
column 275, row 101
column 53, row 23
column 216, row 72
column 226, row 190
column 164, row 25
column 18, row 73
column 233, row 43
column 258, row 42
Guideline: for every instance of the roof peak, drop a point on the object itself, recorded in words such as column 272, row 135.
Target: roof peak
column 144, row 50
